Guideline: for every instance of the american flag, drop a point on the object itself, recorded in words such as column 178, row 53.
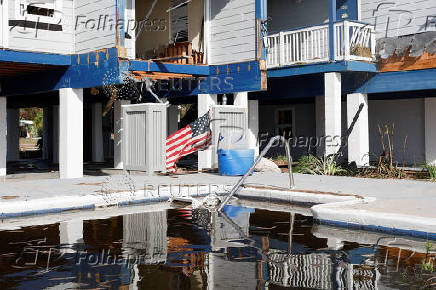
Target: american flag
column 194, row 137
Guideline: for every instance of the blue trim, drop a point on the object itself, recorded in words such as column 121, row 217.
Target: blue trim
column 122, row 10
column 137, row 65
column 332, row 20
column 144, row 200
column 35, row 57
column 347, row 8
column 261, row 16
column 222, row 79
column 89, row 206
column 373, row 228
column 231, row 78
column 45, row 211
column 400, row 81
column 86, row 70
column 339, row 66
column 261, row 9
column 104, row 68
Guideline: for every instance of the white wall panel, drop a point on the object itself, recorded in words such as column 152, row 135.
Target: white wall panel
column 39, row 40
column 89, row 38
column 399, row 17
column 232, row 31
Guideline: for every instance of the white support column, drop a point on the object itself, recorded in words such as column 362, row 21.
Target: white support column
column 320, row 124
column 71, row 133
column 173, row 119
column 241, row 99
column 332, row 112
column 97, row 133
column 3, row 135
column 253, row 125
column 13, row 138
column 430, row 130
column 334, row 244
column 118, row 137
column 45, row 133
column 206, row 158
column 70, row 233
column 55, row 135
column 357, row 122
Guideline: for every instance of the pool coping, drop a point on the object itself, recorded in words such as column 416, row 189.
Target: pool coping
column 325, row 207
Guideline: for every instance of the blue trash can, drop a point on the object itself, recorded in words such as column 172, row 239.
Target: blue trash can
column 235, row 162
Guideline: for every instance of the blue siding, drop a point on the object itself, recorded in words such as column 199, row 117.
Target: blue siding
column 346, row 10
column 339, row 66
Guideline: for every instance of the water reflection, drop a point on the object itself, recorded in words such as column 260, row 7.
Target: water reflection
column 245, row 248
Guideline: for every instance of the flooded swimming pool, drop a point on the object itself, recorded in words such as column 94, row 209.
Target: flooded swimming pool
column 183, row 248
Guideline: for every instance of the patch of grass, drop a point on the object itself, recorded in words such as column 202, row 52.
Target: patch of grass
column 360, row 51
column 280, row 158
column 428, row 263
column 431, row 169
column 326, row 165
column 428, row 246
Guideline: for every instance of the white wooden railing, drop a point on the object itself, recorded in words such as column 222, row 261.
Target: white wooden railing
column 311, row 45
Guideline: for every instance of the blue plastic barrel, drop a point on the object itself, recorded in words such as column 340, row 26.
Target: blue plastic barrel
column 235, row 162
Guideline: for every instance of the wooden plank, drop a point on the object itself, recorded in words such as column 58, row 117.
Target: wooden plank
column 406, row 62
column 159, row 75
column 10, row 69
column 136, row 65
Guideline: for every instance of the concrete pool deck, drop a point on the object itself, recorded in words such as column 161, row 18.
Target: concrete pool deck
column 398, row 206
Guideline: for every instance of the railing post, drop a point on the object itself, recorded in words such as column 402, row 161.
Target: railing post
column 332, row 20
column 346, row 42
column 282, row 48
column 373, row 42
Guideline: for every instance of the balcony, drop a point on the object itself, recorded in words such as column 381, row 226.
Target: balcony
column 352, row 41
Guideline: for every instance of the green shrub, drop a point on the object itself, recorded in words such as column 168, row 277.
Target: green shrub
column 37, row 124
column 427, row 264
column 326, row 165
column 431, row 169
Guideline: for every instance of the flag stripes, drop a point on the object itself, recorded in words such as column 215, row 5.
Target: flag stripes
column 194, row 137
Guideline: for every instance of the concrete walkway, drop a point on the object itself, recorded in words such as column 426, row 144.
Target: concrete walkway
column 385, row 204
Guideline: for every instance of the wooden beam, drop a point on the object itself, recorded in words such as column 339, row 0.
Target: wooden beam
column 159, row 75
column 151, row 66
column 338, row 66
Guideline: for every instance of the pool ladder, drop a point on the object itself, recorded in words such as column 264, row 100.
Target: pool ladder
column 241, row 181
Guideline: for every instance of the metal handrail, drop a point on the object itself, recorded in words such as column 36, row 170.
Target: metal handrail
column 238, row 185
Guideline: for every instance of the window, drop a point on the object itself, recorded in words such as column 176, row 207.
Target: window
column 37, row 10
column 42, row 11
column 285, row 122
column 179, row 21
